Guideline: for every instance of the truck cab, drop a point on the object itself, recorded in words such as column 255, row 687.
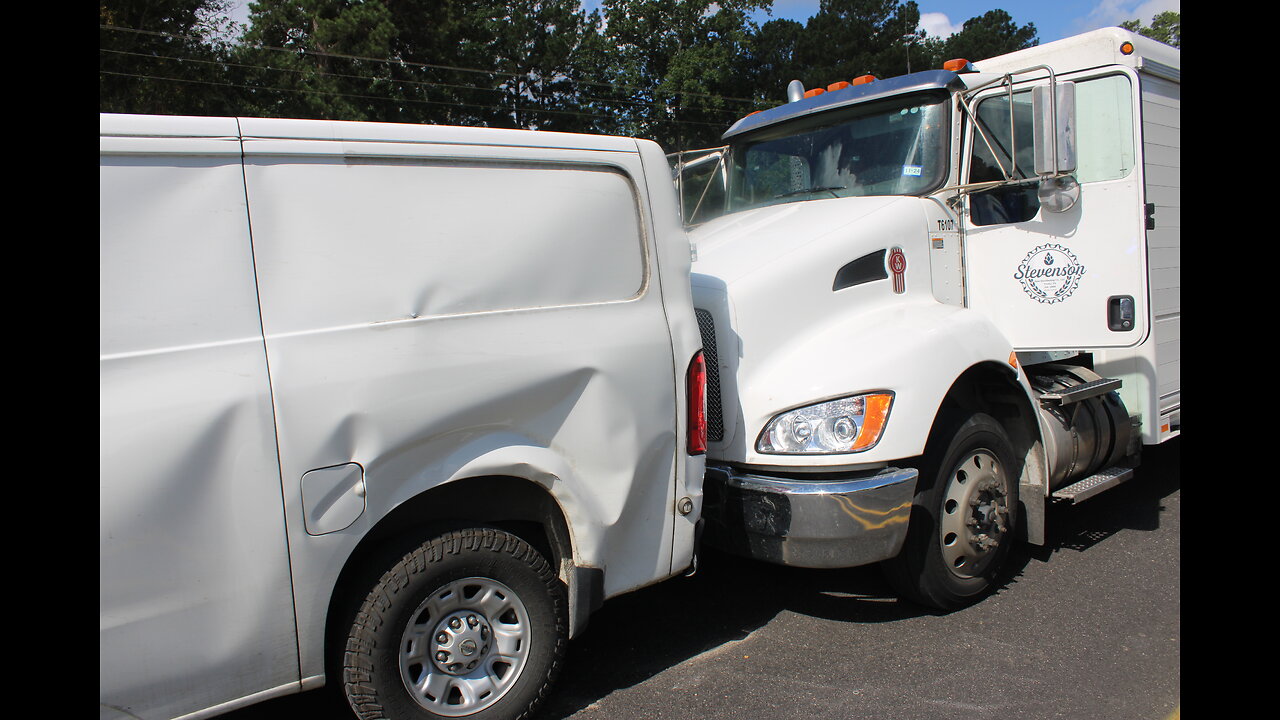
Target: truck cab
column 934, row 303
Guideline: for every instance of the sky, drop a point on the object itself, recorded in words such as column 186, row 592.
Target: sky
column 1054, row 19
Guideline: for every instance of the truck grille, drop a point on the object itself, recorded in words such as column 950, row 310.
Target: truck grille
column 715, row 413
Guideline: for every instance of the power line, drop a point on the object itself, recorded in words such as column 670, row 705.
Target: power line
column 402, row 62
column 402, row 81
column 396, row 100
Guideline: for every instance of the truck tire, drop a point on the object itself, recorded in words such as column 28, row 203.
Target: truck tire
column 470, row 624
column 962, row 516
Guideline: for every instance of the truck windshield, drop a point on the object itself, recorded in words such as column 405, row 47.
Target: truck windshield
column 891, row 147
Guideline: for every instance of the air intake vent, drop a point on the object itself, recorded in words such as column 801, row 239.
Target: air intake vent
column 715, row 412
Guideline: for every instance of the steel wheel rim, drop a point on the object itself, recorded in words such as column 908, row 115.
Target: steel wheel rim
column 975, row 514
column 465, row 646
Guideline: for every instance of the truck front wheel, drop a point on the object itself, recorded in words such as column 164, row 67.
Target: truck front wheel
column 962, row 517
column 471, row 624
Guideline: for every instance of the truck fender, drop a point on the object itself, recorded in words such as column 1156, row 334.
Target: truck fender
column 925, row 353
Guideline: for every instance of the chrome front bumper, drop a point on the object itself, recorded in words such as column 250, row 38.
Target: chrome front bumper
column 853, row 519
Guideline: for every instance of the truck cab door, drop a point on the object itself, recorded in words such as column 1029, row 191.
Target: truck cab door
column 1059, row 280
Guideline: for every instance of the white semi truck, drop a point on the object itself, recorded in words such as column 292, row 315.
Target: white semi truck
column 932, row 304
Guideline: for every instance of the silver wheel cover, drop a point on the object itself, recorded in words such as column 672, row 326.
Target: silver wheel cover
column 465, row 646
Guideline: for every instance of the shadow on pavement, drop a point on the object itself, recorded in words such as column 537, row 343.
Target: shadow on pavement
column 636, row 636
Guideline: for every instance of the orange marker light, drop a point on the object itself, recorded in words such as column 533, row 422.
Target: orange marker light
column 1126, row 48
column 955, row 65
column 1013, row 359
column 863, row 79
column 877, row 413
column 814, row 92
column 837, row 86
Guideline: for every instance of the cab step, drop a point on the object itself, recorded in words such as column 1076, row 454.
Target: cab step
column 1082, row 490
column 1076, row 393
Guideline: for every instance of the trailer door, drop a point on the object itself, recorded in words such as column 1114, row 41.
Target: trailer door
column 1067, row 280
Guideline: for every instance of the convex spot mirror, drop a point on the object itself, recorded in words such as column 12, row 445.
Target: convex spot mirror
column 1058, row 194
column 1054, row 127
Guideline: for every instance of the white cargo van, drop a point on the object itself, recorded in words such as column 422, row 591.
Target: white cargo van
column 389, row 406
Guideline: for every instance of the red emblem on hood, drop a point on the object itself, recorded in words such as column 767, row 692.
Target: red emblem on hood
column 898, row 266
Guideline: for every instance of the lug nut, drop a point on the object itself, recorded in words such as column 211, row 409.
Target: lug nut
column 472, row 621
column 442, row 656
column 455, row 623
column 442, row 638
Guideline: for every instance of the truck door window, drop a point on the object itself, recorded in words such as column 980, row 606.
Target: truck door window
column 1104, row 128
column 1011, row 203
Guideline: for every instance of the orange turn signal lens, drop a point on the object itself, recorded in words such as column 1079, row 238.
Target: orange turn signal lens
column 955, row 65
column 877, row 412
column 863, row 79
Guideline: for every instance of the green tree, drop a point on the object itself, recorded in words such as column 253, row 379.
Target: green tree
column 1165, row 27
column 164, row 57
column 849, row 38
column 318, row 59
column 533, row 45
column 675, row 64
column 993, row 33
column 771, row 63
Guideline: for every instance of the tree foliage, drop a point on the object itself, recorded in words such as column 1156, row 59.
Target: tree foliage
column 1165, row 27
column 676, row 71
column 163, row 56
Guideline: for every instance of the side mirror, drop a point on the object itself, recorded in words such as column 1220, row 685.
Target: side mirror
column 1054, row 130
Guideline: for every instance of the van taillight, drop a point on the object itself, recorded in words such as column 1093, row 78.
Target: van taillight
column 697, row 394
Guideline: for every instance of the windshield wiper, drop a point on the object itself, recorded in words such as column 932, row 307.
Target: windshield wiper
column 827, row 188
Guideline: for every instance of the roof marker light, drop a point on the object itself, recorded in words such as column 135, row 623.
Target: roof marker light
column 863, row 79
column 837, row 86
column 1126, row 48
column 959, row 65
column 814, row 92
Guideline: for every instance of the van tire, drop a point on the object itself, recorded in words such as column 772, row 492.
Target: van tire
column 966, row 498
column 477, row 620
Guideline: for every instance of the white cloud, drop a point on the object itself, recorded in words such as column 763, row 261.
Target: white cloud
column 938, row 25
column 1108, row 13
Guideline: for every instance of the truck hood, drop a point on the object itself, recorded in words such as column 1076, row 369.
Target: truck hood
column 735, row 245
column 771, row 312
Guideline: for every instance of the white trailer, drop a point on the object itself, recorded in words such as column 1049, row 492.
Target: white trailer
column 934, row 303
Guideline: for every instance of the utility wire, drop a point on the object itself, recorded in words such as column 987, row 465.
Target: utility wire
column 400, row 81
column 401, row 62
column 398, row 100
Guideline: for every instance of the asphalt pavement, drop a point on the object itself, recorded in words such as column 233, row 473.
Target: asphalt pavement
column 1087, row 627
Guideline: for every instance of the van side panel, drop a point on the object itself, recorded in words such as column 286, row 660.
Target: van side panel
column 454, row 302
column 194, row 587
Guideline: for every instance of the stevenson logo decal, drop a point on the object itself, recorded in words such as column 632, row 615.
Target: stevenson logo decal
column 1049, row 273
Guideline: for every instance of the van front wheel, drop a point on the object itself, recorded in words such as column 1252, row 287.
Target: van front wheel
column 471, row 624
column 962, row 518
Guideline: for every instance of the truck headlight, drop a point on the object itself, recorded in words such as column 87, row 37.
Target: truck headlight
column 845, row 425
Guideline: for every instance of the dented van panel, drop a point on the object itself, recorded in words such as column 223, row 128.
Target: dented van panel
column 419, row 309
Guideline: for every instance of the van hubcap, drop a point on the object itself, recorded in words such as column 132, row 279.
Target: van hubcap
column 465, row 646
